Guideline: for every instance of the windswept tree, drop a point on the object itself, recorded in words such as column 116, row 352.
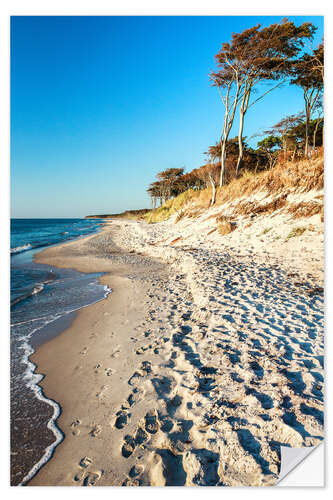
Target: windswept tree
column 155, row 192
column 308, row 73
column 168, row 179
column 228, row 82
column 187, row 181
column 262, row 55
column 171, row 182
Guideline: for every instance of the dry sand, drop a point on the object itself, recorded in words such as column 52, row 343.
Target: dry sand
column 206, row 357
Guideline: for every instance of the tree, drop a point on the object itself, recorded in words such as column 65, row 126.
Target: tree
column 308, row 73
column 262, row 55
column 168, row 179
column 208, row 174
column 269, row 146
column 298, row 133
column 155, row 192
column 227, row 80
column 283, row 130
column 318, row 60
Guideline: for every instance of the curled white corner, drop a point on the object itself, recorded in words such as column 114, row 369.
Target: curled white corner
column 292, row 457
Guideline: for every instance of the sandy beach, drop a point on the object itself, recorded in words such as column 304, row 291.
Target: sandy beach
column 204, row 359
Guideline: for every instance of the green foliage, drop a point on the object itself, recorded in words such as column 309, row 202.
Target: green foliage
column 297, row 133
column 269, row 143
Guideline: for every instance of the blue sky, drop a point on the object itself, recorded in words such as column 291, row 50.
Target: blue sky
column 99, row 105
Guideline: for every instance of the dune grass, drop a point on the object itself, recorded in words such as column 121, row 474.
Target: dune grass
column 297, row 176
column 170, row 207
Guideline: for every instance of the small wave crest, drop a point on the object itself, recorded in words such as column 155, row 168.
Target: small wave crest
column 20, row 249
column 36, row 289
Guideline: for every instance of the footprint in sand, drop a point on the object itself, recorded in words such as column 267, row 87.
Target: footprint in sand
column 84, row 350
column 136, row 375
column 134, row 479
column 79, row 476
column 115, row 353
column 133, row 398
column 109, row 372
column 85, row 462
column 141, row 350
column 146, row 367
column 128, row 446
column 144, row 370
column 151, row 424
column 75, row 427
column 121, row 420
column 141, row 436
column 101, row 392
column 96, row 430
column 131, row 442
column 92, row 478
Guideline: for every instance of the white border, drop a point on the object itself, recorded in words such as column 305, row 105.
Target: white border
column 138, row 7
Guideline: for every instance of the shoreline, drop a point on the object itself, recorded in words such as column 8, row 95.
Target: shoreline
column 23, row 469
column 165, row 381
column 62, row 342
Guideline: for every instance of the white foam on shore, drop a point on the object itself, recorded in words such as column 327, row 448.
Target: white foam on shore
column 32, row 382
column 20, row 249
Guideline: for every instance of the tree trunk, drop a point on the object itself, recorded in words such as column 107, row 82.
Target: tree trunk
column 223, row 158
column 307, row 122
column 213, row 189
column 294, row 153
column 315, row 133
column 240, row 142
column 284, row 142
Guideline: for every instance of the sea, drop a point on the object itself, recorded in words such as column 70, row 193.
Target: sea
column 44, row 301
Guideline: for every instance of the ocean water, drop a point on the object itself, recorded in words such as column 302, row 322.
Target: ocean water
column 43, row 303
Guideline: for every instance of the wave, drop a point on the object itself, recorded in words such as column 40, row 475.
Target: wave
column 23, row 248
column 56, row 239
column 36, row 289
